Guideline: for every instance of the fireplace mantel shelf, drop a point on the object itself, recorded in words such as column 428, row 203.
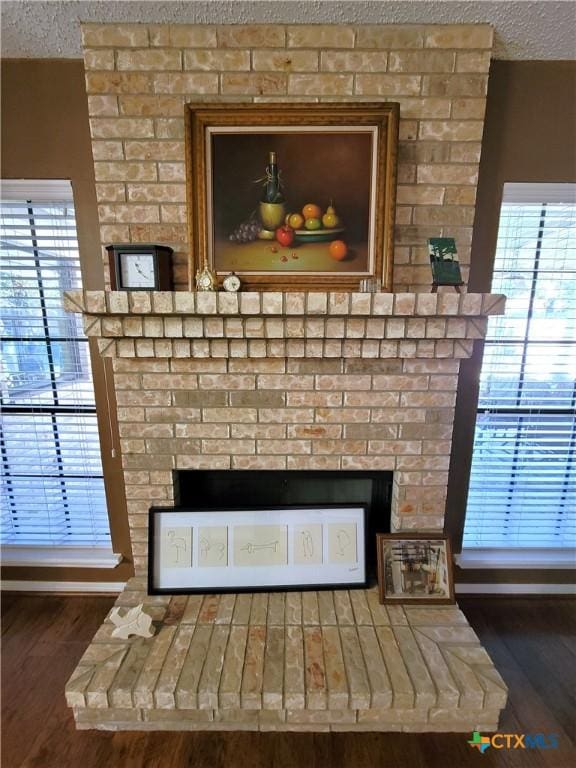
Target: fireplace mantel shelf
column 286, row 304
column 291, row 325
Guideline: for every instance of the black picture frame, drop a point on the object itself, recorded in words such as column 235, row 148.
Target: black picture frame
column 309, row 513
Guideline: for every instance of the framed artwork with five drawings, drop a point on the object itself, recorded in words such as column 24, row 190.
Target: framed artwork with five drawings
column 239, row 550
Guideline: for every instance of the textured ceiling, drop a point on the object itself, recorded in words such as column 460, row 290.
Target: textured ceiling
column 525, row 29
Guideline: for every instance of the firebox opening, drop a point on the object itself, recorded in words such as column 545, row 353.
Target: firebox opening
column 217, row 489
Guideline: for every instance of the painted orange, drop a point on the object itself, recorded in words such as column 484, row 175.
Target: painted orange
column 312, row 211
column 338, row 250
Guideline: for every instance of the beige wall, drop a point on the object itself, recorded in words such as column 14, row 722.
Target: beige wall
column 45, row 135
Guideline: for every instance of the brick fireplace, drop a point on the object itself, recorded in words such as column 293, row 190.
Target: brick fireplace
column 286, row 381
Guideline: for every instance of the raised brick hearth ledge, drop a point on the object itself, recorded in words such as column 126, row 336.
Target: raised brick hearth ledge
column 299, row 661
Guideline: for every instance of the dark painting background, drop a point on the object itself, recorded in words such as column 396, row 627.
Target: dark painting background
column 315, row 168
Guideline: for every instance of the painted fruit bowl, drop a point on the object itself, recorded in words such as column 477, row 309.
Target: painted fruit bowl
column 317, row 235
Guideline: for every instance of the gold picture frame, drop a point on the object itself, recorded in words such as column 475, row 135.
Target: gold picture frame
column 336, row 178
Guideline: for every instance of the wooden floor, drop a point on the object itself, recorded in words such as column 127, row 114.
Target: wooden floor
column 532, row 642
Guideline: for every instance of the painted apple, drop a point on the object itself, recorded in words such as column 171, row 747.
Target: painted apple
column 285, row 235
column 313, row 224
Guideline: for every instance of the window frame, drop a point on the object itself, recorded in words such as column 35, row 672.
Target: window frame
column 69, row 556
column 512, row 558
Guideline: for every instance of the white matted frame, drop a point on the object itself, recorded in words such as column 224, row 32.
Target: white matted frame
column 235, row 550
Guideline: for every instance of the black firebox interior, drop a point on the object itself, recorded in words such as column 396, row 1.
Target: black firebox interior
column 234, row 489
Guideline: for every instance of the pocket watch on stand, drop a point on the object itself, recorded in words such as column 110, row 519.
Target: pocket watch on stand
column 205, row 278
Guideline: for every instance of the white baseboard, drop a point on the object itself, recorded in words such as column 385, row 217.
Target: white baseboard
column 516, row 589
column 63, row 587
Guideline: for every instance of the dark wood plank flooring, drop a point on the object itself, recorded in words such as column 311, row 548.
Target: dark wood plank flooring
column 532, row 642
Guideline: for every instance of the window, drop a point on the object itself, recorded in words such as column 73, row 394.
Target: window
column 52, row 483
column 523, row 479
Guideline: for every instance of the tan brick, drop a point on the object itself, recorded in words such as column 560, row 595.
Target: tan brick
column 253, row 84
column 454, row 85
column 160, row 193
column 230, row 415
column 451, row 130
column 251, row 36
column 342, row 415
column 387, row 85
column 473, row 61
column 189, row 84
column 152, row 59
column 171, row 172
column 285, row 415
column 459, row 36
column 293, row 447
column 98, row 59
column 108, row 150
column 318, row 399
column 159, row 35
column 259, row 431
column 117, row 82
column 318, row 36
column 103, row 106
column 344, row 382
column 228, row 446
column 446, row 214
column 315, row 431
column 448, row 174
column 122, row 127
column 320, row 85
column 154, row 150
column 285, row 61
column 420, row 194
column 356, row 61
column 468, row 109
column 421, row 61
column 125, row 171
column 151, row 105
column 217, row 61
column 174, row 214
column 169, row 128
column 109, row 192
column 192, row 36
column 392, row 36
column 114, row 35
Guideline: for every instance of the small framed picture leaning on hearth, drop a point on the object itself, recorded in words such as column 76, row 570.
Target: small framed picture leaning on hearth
column 414, row 569
column 236, row 550
column 292, row 196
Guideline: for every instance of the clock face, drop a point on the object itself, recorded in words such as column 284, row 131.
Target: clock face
column 231, row 283
column 137, row 270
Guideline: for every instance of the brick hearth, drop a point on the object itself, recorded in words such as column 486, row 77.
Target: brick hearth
column 310, row 661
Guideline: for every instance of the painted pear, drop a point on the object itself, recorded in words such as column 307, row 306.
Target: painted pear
column 330, row 219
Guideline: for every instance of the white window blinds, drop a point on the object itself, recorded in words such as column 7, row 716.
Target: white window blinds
column 523, row 479
column 52, row 484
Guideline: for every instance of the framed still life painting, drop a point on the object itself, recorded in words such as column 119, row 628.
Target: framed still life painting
column 297, row 196
column 414, row 569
